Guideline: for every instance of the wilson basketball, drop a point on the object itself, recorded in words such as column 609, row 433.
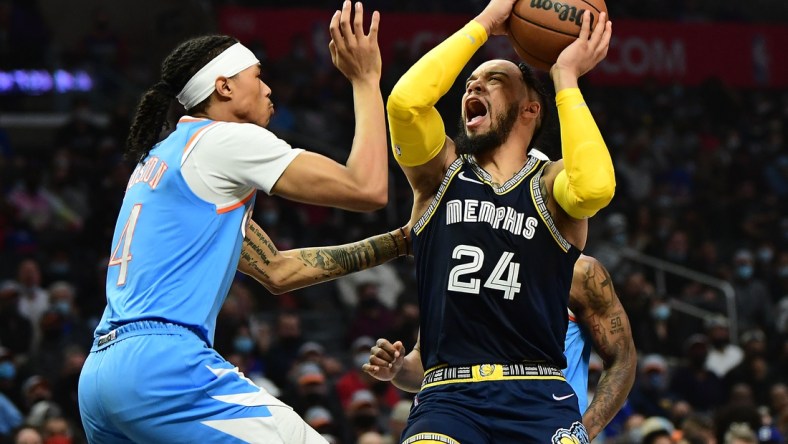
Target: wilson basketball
column 540, row 29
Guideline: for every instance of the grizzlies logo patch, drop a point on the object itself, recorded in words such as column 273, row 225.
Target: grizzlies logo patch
column 574, row 435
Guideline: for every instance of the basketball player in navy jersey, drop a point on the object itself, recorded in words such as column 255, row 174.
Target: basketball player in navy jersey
column 599, row 320
column 496, row 230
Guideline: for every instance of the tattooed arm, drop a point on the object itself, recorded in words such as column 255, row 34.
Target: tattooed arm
column 281, row 271
column 594, row 302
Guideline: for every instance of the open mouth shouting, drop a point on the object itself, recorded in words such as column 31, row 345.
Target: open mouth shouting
column 475, row 113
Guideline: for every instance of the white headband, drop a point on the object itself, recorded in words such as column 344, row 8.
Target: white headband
column 227, row 64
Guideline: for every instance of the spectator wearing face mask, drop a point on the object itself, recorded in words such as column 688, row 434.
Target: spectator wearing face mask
column 8, row 379
column 651, row 395
column 753, row 304
column 723, row 355
column 662, row 330
column 10, row 416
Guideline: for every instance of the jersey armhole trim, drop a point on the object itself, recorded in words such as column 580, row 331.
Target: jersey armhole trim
column 536, row 196
column 231, row 206
column 196, row 138
column 454, row 168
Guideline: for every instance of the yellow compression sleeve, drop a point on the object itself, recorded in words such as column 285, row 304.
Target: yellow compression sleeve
column 417, row 130
column 587, row 182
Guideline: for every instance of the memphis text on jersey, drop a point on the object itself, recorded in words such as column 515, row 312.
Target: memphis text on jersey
column 503, row 218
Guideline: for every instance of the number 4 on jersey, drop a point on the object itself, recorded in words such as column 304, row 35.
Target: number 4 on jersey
column 125, row 239
column 510, row 286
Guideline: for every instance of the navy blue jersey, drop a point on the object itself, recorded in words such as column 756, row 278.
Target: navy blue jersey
column 493, row 271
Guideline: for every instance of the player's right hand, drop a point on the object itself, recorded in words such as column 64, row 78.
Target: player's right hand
column 355, row 54
column 495, row 16
column 588, row 50
column 385, row 360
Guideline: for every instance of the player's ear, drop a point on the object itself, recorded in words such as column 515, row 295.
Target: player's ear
column 530, row 109
column 223, row 86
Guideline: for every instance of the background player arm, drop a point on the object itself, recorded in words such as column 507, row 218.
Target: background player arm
column 388, row 362
column 598, row 309
column 362, row 183
column 281, row 271
column 587, row 182
column 418, row 135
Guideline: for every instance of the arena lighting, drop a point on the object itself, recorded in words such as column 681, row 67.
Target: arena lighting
column 35, row 82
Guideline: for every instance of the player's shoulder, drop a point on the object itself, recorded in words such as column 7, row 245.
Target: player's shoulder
column 241, row 135
column 241, row 128
column 586, row 263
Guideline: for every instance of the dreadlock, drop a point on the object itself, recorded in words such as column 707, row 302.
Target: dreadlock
column 182, row 63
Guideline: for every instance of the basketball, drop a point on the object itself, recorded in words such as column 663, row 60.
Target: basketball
column 540, row 29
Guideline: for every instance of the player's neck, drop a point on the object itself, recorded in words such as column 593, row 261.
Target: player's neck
column 503, row 162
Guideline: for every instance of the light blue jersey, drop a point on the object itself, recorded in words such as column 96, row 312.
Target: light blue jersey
column 151, row 376
column 577, row 349
column 173, row 254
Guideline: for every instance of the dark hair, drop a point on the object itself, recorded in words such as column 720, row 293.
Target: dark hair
column 182, row 63
column 533, row 83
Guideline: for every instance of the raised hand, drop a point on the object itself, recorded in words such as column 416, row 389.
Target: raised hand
column 385, row 360
column 495, row 16
column 355, row 54
column 588, row 50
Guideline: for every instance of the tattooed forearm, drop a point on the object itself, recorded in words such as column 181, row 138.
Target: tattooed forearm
column 260, row 236
column 292, row 269
column 341, row 260
column 613, row 388
column 250, row 266
column 601, row 312
column 249, row 244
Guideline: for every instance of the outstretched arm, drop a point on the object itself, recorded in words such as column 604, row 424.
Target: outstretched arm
column 597, row 307
column 362, row 183
column 281, row 271
column 418, row 135
column 587, row 182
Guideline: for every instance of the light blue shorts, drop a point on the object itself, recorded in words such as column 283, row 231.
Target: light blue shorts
column 154, row 382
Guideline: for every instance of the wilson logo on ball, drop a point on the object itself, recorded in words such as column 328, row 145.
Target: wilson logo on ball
column 565, row 12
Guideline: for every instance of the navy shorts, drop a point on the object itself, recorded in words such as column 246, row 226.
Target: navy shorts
column 503, row 411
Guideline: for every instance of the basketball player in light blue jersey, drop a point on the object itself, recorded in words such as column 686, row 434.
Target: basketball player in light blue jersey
column 577, row 349
column 600, row 321
column 152, row 375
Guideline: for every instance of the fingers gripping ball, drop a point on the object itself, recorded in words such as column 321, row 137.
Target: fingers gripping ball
column 540, row 29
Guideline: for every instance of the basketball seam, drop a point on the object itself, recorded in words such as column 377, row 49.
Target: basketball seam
column 543, row 26
column 529, row 53
column 598, row 11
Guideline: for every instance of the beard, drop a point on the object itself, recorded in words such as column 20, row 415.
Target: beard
column 483, row 143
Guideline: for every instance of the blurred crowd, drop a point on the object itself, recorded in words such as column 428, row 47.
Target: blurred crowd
column 685, row 10
column 702, row 183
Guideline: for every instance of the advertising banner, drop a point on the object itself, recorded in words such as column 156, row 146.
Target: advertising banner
column 743, row 55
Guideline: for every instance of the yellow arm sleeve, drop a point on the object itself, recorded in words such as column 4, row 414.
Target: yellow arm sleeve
column 587, row 182
column 417, row 130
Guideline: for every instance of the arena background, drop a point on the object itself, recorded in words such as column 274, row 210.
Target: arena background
column 692, row 101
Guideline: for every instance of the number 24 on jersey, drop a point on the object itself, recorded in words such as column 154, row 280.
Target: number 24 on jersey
column 509, row 285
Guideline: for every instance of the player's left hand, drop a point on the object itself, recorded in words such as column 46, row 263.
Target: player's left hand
column 385, row 360
column 588, row 50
